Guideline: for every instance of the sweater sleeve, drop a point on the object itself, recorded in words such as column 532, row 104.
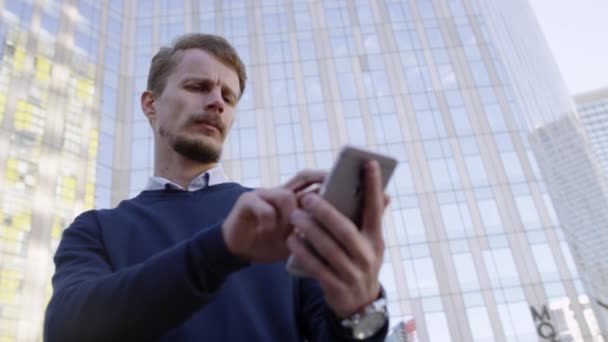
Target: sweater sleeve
column 318, row 322
column 93, row 302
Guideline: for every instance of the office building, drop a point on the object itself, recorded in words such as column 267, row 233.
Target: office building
column 455, row 89
column 593, row 111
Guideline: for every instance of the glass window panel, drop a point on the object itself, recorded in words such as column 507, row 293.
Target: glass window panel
column 426, row 9
column 433, row 149
column 346, row 83
column 387, row 278
column 545, row 262
column 108, row 101
column 285, row 141
column 412, row 282
column 440, row 174
column 415, row 228
column 480, row 324
column 477, row 171
column 320, row 135
column 466, row 272
column 490, row 216
column 434, row 37
column 403, row 178
column 523, row 325
column 323, row 159
column 391, row 128
column 317, row 111
column 302, row 18
column 480, row 73
column 528, row 212
column 288, row 164
column 460, row 118
column 138, row 180
column 144, row 33
column 505, row 265
column 249, row 146
column 454, row 98
column 468, row 146
column 504, row 142
column 114, row 29
column 398, row 12
column 103, row 176
column 512, row 166
column 452, row 221
column 307, row 49
column 495, row 118
column 169, row 31
column 355, row 131
column 426, row 125
column 437, row 327
column 314, row 93
column 250, row 168
column 49, row 23
column 425, row 274
column 371, row 43
column 102, row 198
column 139, row 154
column 351, row 108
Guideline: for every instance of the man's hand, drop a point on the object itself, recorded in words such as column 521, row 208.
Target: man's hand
column 257, row 227
column 348, row 273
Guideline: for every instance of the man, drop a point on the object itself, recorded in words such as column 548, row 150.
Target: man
column 197, row 258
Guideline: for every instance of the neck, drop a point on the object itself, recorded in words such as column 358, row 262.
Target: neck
column 179, row 169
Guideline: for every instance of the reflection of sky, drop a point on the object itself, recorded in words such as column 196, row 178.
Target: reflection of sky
column 576, row 32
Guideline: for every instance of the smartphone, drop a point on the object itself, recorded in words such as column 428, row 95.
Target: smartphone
column 343, row 188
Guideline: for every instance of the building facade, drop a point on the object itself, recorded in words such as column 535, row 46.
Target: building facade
column 455, row 89
column 593, row 111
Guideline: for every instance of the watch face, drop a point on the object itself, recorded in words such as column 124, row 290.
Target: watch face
column 369, row 325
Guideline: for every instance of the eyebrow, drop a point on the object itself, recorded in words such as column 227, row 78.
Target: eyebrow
column 225, row 87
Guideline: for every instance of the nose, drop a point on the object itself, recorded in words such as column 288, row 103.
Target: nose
column 214, row 101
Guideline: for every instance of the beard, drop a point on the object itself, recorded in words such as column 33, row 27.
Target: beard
column 200, row 149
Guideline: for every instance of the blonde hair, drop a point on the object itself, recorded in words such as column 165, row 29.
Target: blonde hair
column 167, row 58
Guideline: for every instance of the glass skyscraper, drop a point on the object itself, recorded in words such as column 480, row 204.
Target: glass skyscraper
column 459, row 91
column 593, row 110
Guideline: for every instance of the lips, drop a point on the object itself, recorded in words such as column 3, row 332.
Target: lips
column 211, row 124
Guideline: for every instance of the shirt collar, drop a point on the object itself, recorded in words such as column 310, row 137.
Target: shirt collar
column 213, row 176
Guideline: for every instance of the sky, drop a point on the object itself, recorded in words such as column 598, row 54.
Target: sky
column 577, row 32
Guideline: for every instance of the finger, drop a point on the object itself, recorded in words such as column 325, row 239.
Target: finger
column 315, row 189
column 264, row 211
column 311, row 264
column 324, row 244
column 304, row 179
column 342, row 229
column 373, row 204
column 387, row 200
column 284, row 203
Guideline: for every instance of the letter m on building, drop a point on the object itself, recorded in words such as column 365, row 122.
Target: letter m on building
column 543, row 316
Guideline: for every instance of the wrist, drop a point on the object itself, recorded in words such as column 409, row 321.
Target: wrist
column 369, row 321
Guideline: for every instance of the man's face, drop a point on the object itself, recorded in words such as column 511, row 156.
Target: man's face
column 196, row 109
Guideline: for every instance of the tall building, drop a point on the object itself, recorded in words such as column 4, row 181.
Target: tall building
column 455, row 89
column 593, row 111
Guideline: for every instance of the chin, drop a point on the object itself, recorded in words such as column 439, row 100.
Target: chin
column 200, row 148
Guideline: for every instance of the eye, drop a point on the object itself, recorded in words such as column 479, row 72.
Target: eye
column 228, row 99
column 196, row 87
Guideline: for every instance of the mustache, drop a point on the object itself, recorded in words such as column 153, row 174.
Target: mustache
column 209, row 119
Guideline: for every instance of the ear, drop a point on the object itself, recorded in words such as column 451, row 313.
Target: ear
column 147, row 105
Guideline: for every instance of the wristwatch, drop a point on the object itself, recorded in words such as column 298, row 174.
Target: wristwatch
column 370, row 320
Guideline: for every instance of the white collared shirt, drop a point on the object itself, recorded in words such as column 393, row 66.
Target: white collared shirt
column 210, row 177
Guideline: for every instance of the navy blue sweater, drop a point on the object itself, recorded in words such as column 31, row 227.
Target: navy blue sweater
column 157, row 268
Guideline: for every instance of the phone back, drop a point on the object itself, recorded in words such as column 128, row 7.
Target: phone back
column 344, row 188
